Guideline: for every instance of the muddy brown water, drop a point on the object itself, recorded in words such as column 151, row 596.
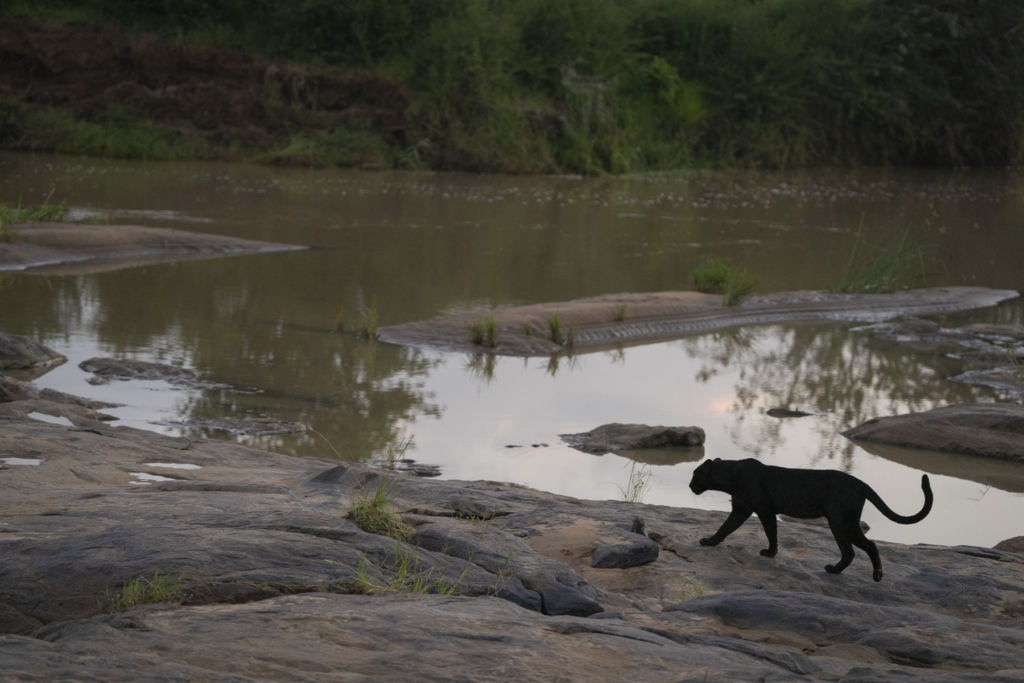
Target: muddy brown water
column 417, row 245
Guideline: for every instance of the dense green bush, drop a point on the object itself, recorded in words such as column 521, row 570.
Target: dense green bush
column 619, row 85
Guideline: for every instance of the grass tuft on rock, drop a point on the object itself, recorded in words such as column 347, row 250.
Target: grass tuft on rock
column 408, row 576
column 373, row 512
column 715, row 277
column 620, row 313
column 555, row 333
column 145, row 591
column 484, row 333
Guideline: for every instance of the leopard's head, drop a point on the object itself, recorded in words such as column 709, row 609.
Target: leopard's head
column 703, row 477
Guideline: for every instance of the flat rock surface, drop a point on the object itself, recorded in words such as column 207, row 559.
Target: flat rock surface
column 612, row 320
column 272, row 573
column 18, row 351
column 74, row 249
column 617, row 436
column 989, row 430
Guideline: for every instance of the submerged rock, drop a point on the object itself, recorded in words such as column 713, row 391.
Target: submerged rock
column 786, row 412
column 18, row 351
column 616, row 437
column 109, row 369
column 990, row 430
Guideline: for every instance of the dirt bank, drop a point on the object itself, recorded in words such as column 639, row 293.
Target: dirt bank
column 215, row 96
column 72, row 249
column 612, row 320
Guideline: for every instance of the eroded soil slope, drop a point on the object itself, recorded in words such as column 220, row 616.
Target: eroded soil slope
column 222, row 96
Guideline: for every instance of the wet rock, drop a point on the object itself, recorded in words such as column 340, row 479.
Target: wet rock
column 252, row 426
column 616, row 436
column 990, row 430
column 18, row 351
column 624, row 555
column 108, row 369
column 1011, row 545
column 786, row 412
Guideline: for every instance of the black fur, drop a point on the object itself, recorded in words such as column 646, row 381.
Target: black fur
column 768, row 491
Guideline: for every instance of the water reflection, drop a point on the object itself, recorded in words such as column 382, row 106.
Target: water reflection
column 847, row 376
column 429, row 244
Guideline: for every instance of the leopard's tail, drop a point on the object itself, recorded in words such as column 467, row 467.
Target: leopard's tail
column 900, row 519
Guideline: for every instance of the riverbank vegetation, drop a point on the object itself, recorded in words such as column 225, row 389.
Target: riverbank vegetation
column 581, row 86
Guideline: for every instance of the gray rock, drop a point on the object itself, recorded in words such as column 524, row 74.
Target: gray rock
column 108, row 369
column 616, row 436
column 273, row 572
column 18, row 351
column 12, row 389
column 624, row 555
column 989, row 430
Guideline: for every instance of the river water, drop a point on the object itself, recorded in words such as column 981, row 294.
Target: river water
column 417, row 245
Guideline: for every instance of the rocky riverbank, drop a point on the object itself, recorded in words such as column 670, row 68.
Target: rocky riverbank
column 274, row 576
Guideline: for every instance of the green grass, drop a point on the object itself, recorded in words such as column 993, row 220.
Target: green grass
column 527, row 328
column 883, row 268
column 408, row 576
column 638, row 483
column 715, row 277
column 373, row 511
column 27, row 214
column 555, row 333
column 484, row 333
column 620, row 313
column 144, row 591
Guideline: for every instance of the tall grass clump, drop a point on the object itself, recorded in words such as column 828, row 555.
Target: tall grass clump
column 145, row 591
column 373, row 512
column 28, row 214
column 714, row 277
column 484, row 333
column 883, row 268
column 638, row 483
column 620, row 313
